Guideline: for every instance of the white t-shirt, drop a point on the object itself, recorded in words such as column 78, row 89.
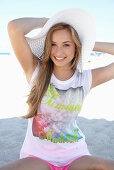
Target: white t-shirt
column 53, row 134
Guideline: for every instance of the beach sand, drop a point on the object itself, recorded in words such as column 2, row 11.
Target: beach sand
column 96, row 119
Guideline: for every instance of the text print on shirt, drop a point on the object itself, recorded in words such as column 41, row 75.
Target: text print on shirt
column 56, row 116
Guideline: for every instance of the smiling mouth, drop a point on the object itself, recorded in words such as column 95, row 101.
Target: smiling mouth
column 59, row 59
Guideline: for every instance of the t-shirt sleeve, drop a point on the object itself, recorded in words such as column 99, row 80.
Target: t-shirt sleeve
column 34, row 74
column 87, row 80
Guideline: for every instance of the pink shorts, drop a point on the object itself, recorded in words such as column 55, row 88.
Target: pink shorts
column 53, row 167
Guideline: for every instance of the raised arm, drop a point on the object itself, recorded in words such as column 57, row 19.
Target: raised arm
column 17, row 29
column 103, row 74
column 104, row 47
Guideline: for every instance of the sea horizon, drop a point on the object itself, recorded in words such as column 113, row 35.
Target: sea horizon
column 92, row 53
column 4, row 53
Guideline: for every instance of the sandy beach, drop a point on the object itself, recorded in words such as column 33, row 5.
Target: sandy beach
column 96, row 119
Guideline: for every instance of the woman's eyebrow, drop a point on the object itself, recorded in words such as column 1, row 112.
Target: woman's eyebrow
column 64, row 41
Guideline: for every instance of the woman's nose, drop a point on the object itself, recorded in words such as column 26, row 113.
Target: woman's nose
column 59, row 50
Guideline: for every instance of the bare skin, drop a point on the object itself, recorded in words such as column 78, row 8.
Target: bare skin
column 26, row 164
column 63, row 47
column 83, row 163
column 92, row 163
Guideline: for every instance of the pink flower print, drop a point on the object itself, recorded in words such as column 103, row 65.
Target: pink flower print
column 38, row 126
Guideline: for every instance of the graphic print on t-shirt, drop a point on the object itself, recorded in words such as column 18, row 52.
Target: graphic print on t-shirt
column 56, row 116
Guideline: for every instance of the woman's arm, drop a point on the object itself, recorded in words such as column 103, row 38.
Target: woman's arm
column 104, row 47
column 102, row 75
column 106, row 73
column 17, row 29
column 27, row 24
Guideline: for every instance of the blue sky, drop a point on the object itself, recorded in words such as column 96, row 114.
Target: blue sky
column 101, row 10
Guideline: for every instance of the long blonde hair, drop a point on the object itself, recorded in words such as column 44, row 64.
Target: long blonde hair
column 41, row 82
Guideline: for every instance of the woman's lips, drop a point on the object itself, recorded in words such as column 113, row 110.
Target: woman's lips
column 61, row 59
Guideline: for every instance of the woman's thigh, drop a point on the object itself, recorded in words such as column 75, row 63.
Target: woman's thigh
column 92, row 163
column 28, row 163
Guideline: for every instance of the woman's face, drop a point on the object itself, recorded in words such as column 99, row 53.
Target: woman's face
column 63, row 48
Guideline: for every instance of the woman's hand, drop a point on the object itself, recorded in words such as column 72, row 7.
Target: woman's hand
column 104, row 47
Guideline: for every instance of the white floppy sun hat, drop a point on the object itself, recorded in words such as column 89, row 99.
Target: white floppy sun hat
column 80, row 20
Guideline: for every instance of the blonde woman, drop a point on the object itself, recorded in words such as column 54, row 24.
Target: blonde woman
column 53, row 63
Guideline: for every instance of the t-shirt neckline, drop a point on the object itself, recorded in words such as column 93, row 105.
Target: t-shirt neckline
column 64, row 81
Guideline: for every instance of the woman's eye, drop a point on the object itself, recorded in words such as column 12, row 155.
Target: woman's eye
column 52, row 44
column 67, row 45
column 64, row 45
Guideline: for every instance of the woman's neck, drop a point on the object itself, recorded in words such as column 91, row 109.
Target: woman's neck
column 63, row 74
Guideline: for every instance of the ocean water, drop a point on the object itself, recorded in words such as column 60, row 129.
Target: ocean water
column 14, row 88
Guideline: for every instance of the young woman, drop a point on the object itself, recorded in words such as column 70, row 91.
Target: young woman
column 53, row 65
